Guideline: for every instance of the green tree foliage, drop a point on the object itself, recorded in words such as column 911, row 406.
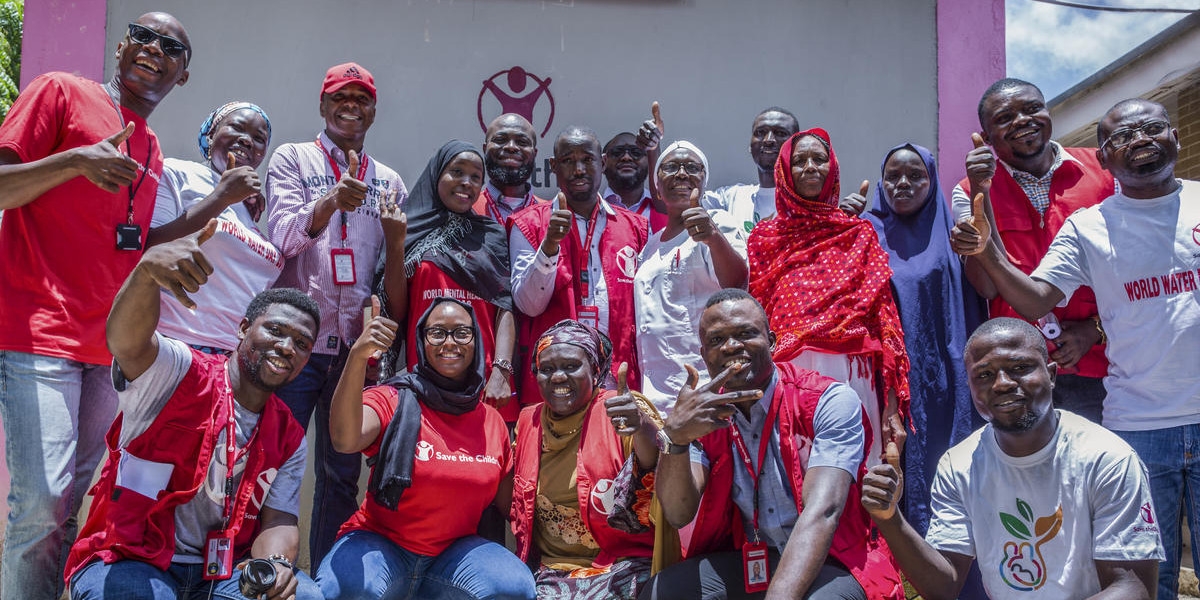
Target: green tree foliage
column 12, row 14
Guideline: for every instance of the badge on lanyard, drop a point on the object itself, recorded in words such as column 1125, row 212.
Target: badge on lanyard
column 589, row 315
column 343, row 266
column 218, row 556
column 754, row 563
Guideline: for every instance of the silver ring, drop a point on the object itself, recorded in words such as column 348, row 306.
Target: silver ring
column 620, row 422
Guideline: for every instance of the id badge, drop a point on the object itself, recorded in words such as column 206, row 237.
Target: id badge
column 343, row 266
column 218, row 556
column 129, row 237
column 755, row 566
column 589, row 315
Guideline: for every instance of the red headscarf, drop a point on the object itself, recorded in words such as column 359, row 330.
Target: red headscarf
column 823, row 278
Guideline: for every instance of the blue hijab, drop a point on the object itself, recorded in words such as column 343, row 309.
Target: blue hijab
column 938, row 310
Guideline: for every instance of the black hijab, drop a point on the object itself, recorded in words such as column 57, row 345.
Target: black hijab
column 470, row 248
column 392, row 472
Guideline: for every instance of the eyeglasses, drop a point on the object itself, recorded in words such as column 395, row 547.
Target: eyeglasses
column 146, row 36
column 633, row 151
column 690, row 168
column 1125, row 136
column 436, row 336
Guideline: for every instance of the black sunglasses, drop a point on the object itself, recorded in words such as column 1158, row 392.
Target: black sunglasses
column 146, row 36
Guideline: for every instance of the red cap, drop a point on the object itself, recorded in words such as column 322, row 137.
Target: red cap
column 339, row 76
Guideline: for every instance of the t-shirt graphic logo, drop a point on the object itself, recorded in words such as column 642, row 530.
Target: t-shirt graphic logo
column 627, row 261
column 603, row 496
column 424, row 450
column 1196, row 234
column 1023, row 568
column 1147, row 513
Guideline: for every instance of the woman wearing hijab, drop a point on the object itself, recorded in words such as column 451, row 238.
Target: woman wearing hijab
column 452, row 251
column 938, row 309
column 233, row 141
column 439, row 456
column 823, row 279
column 696, row 253
column 570, row 449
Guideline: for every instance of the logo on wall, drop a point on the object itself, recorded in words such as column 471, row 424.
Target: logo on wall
column 518, row 91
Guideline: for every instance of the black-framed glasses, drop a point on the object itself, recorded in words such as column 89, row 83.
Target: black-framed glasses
column 690, row 168
column 618, row 151
column 146, row 36
column 1125, row 136
column 436, row 336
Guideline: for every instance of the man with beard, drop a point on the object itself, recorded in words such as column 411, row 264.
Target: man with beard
column 204, row 462
column 765, row 461
column 575, row 258
column 1137, row 249
column 79, row 167
column 750, row 203
column 509, row 152
column 1050, row 504
column 1041, row 184
column 332, row 211
column 626, row 166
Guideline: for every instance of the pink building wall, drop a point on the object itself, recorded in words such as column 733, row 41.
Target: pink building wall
column 64, row 35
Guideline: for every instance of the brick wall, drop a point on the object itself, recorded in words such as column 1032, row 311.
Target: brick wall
column 1187, row 119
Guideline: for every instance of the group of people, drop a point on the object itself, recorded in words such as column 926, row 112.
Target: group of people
column 660, row 391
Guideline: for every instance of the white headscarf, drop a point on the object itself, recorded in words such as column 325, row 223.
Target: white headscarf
column 686, row 145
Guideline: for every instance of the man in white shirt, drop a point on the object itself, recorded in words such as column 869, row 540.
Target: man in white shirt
column 750, row 203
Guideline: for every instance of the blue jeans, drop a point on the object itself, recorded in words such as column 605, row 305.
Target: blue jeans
column 136, row 580
column 363, row 565
column 335, row 496
column 1172, row 459
column 55, row 412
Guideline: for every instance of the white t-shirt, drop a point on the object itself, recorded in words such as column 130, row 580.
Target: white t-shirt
column 244, row 262
column 142, row 399
column 748, row 203
column 674, row 279
column 1141, row 257
column 1037, row 523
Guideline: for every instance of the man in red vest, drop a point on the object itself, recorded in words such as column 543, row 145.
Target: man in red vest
column 170, row 517
column 575, row 258
column 766, row 461
column 509, row 156
column 1040, row 185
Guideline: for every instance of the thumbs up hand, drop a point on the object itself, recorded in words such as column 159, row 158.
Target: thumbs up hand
column 105, row 164
column 378, row 332
column 349, row 192
column 883, row 485
column 981, row 165
column 855, row 204
column 651, row 132
column 237, row 182
column 970, row 235
column 622, row 409
column 179, row 266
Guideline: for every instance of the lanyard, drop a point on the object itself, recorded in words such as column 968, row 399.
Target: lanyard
column 337, row 174
column 232, row 454
column 585, row 256
column 133, row 189
column 763, row 444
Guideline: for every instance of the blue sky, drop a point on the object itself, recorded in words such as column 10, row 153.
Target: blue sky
column 1056, row 47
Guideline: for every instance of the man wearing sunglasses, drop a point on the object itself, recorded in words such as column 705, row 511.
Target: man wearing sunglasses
column 626, row 166
column 1140, row 251
column 79, row 168
column 1039, row 185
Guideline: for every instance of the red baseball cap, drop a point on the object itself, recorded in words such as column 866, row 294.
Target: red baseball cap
column 339, row 76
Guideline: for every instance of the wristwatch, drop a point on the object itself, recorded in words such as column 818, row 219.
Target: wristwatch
column 666, row 446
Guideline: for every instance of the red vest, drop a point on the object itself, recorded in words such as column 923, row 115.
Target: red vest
column 481, row 205
column 125, row 525
column 623, row 231
column 1027, row 235
column 599, row 459
column 856, row 543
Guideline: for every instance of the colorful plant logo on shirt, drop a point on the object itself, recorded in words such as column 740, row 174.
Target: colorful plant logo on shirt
column 1023, row 568
column 518, row 91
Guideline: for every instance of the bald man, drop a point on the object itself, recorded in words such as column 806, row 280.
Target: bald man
column 509, row 152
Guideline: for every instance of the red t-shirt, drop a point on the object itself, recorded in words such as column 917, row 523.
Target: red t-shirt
column 460, row 460
column 60, row 269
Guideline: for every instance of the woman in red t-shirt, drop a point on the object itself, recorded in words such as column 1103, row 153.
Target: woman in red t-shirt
column 440, row 457
column 451, row 251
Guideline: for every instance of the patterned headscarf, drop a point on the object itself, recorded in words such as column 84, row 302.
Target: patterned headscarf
column 595, row 345
column 823, row 278
column 216, row 116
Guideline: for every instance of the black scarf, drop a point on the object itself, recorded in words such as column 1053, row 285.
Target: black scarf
column 471, row 248
column 392, row 471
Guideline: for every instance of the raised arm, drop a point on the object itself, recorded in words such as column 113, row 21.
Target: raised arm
column 353, row 426
column 236, row 184
column 177, row 266
column 102, row 163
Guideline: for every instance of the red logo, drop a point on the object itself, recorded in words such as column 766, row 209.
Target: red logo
column 1147, row 513
column 1196, row 234
column 518, row 91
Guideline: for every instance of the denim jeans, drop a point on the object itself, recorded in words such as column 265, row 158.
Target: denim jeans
column 365, row 565
column 335, row 496
column 55, row 412
column 1172, row 459
column 136, row 580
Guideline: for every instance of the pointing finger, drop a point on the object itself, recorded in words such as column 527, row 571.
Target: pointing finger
column 719, row 381
column 862, row 189
column 657, row 113
column 352, row 164
column 977, row 140
column 623, row 379
column 119, row 137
